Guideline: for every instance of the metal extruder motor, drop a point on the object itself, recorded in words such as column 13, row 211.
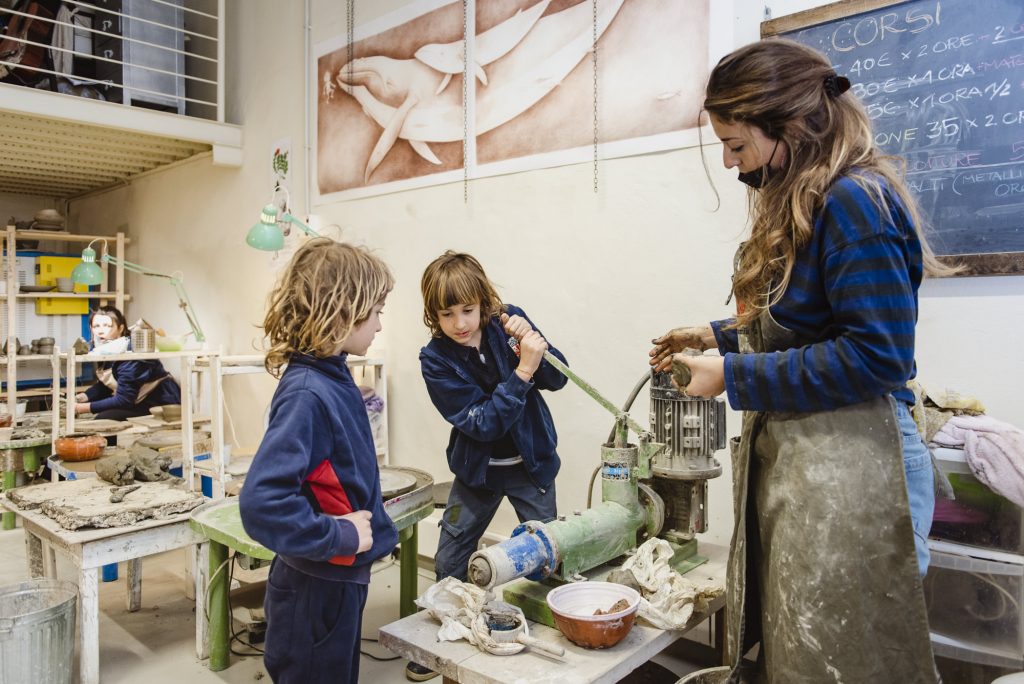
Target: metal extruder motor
column 657, row 487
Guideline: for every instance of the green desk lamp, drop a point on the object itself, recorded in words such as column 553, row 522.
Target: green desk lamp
column 89, row 273
column 267, row 235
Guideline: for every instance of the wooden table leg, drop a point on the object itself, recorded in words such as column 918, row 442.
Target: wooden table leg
column 220, row 621
column 89, row 626
column 34, row 553
column 133, row 583
column 408, row 579
column 718, row 625
column 49, row 560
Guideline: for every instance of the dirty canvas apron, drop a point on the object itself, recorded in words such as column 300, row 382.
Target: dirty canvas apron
column 822, row 569
column 106, row 376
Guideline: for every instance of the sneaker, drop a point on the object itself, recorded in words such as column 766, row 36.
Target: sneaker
column 418, row 673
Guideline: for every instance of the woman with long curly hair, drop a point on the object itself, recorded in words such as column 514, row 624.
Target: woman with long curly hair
column 833, row 483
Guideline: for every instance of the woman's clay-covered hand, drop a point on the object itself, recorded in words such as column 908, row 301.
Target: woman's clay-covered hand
column 698, row 337
column 707, row 374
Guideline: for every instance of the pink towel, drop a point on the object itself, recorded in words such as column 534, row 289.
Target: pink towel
column 994, row 451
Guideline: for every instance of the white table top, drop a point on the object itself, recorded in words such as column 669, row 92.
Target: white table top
column 415, row 638
column 42, row 523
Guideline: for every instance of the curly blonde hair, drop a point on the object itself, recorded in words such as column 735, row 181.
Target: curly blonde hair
column 456, row 278
column 327, row 289
column 777, row 86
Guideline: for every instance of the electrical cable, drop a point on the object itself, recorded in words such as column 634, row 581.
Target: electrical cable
column 630, row 399
column 237, row 636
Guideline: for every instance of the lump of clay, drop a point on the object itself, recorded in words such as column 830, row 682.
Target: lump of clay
column 117, row 469
column 150, row 465
column 626, row 578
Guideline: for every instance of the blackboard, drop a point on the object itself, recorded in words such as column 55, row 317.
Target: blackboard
column 943, row 84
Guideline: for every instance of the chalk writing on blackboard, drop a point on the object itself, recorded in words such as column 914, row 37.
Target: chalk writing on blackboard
column 943, row 84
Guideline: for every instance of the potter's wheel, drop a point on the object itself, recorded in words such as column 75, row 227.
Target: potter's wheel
column 394, row 482
column 414, row 502
column 163, row 439
column 95, row 426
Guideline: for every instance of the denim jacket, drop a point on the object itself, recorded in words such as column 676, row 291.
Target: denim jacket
column 479, row 419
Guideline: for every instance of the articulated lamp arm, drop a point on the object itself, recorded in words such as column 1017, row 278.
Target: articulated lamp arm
column 179, row 287
column 88, row 273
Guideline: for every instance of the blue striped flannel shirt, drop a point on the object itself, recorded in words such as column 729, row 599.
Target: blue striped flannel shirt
column 853, row 298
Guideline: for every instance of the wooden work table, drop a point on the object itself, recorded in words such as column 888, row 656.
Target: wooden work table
column 415, row 638
column 92, row 548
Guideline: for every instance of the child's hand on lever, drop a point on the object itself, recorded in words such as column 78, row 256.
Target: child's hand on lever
column 531, row 345
column 516, row 326
column 361, row 520
column 531, row 352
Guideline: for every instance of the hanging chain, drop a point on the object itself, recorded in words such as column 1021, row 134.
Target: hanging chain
column 350, row 29
column 465, row 101
column 593, row 53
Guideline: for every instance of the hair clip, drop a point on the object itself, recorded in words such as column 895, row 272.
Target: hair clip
column 836, row 85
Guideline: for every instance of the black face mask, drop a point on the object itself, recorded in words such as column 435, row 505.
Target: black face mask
column 760, row 176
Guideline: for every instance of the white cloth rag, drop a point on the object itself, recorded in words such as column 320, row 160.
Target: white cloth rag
column 994, row 452
column 667, row 598
column 459, row 607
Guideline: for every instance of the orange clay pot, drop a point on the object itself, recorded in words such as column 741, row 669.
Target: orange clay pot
column 79, row 447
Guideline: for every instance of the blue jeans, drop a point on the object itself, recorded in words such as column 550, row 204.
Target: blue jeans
column 920, row 483
column 470, row 510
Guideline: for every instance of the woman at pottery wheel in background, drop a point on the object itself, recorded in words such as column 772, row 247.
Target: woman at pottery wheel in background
column 124, row 388
column 832, row 482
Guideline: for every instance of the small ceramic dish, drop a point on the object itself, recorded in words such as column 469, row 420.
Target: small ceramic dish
column 36, row 288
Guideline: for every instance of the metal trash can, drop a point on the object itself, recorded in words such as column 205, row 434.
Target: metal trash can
column 37, row 631
column 714, row 675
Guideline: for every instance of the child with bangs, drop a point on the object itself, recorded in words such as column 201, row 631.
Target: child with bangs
column 313, row 492
column 503, row 440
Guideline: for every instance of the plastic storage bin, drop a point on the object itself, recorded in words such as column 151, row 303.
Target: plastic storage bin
column 37, row 631
column 978, row 517
column 974, row 605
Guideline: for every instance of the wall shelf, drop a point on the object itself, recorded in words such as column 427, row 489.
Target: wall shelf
column 115, row 295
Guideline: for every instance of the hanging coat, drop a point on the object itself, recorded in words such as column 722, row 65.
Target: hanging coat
column 822, row 570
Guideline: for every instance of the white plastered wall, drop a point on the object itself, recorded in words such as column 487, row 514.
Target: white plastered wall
column 600, row 274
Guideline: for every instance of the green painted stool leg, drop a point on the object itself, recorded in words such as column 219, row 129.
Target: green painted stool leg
column 409, row 539
column 9, row 481
column 220, row 621
column 32, row 459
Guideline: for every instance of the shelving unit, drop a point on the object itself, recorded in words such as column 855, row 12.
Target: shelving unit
column 12, row 295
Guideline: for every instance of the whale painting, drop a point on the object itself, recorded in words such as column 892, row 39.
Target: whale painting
column 393, row 118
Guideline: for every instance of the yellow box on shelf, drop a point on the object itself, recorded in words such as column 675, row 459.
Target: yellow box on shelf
column 49, row 268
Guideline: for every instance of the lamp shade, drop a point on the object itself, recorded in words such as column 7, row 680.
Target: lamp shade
column 265, row 234
column 87, row 272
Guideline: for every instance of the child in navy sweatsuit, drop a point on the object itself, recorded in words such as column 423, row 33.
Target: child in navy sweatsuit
column 484, row 369
column 313, row 492
column 503, row 440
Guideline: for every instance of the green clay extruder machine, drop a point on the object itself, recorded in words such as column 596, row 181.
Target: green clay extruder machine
column 657, row 487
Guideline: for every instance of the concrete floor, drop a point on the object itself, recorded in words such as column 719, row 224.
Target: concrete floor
column 156, row 645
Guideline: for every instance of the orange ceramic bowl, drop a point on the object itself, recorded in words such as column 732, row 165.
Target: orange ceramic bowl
column 573, row 606
column 79, row 447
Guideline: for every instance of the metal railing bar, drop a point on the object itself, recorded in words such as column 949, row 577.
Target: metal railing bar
column 112, row 61
column 181, row 7
column 95, row 9
column 112, row 84
column 112, row 35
